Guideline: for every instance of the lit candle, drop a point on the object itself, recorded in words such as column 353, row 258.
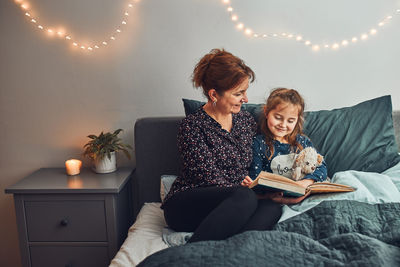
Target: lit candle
column 73, row 166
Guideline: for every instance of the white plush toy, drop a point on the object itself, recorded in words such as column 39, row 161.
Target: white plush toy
column 306, row 162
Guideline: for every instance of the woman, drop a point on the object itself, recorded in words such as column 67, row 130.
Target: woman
column 211, row 196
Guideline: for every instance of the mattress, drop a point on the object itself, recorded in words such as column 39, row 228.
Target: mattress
column 144, row 237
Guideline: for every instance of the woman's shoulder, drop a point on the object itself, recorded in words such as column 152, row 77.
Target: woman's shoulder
column 245, row 115
column 245, row 118
column 193, row 118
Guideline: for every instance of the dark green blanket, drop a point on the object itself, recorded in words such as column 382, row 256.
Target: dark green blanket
column 334, row 233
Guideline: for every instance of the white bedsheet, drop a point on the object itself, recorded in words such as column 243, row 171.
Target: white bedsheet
column 144, row 237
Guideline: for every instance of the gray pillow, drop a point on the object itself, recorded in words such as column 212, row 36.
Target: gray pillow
column 359, row 138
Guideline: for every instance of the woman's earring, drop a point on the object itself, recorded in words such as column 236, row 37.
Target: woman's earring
column 214, row 103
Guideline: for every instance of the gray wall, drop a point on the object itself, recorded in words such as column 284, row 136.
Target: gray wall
column 52, row 97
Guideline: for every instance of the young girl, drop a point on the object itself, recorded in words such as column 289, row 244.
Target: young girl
column 282, row 138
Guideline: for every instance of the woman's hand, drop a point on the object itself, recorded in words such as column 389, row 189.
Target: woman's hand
column 247, row 181
column 279, row 198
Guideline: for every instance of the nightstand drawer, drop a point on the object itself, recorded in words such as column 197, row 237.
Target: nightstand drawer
column 66, row 220
column 69, row 256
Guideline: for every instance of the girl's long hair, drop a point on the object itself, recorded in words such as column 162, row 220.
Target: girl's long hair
column 282, row 96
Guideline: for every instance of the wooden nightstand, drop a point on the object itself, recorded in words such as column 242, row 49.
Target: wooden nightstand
column 79, row 220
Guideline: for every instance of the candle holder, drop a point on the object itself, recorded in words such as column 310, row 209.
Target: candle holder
column 73, row 166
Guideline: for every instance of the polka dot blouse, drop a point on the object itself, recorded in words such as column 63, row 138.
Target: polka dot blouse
column 210, row 155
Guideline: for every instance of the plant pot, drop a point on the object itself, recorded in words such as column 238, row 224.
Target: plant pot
column 106, row 165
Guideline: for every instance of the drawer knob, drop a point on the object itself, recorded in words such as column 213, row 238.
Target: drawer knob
column 64, row 222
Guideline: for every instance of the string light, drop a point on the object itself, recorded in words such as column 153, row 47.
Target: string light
column 299, row 37
column 68, row 37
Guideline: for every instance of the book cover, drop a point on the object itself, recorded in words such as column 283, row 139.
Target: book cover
column 270, row 182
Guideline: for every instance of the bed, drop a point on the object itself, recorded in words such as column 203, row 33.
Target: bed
column 360, row 228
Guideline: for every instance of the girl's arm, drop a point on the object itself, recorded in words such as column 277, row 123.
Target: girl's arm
column 256, row 164
column 321, row 172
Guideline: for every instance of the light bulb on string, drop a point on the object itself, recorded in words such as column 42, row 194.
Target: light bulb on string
column 62, row 33
column 299, row 37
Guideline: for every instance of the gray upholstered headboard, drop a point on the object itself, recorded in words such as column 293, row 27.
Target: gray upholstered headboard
column 157, row 154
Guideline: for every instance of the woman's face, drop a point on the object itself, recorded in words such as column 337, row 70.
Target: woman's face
column 232, row 99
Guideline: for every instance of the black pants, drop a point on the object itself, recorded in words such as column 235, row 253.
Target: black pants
column 216, row 213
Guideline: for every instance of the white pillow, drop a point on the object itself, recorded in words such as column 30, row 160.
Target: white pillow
column 166, row 183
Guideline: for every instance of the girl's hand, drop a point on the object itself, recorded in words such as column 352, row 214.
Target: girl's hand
column 247, row 181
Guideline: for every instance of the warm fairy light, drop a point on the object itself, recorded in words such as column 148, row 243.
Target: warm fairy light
column 61, row 32
column 315, row 47
column 299, row 37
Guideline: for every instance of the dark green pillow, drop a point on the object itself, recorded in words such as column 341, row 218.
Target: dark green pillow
column 191, row 106
column 359, row 138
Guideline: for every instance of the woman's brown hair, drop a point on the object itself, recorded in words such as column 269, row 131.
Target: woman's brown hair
column 220, row 70
column 279, row 96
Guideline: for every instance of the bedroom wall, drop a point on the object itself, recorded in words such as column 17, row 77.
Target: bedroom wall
column 53, row 96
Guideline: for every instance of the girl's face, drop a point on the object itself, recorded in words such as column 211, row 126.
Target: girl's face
column 232, row 99
column 282, row 120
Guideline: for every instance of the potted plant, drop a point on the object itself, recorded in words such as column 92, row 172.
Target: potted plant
column 102, row 148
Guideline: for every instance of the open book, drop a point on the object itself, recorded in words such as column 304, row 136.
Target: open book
column 269, row 182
